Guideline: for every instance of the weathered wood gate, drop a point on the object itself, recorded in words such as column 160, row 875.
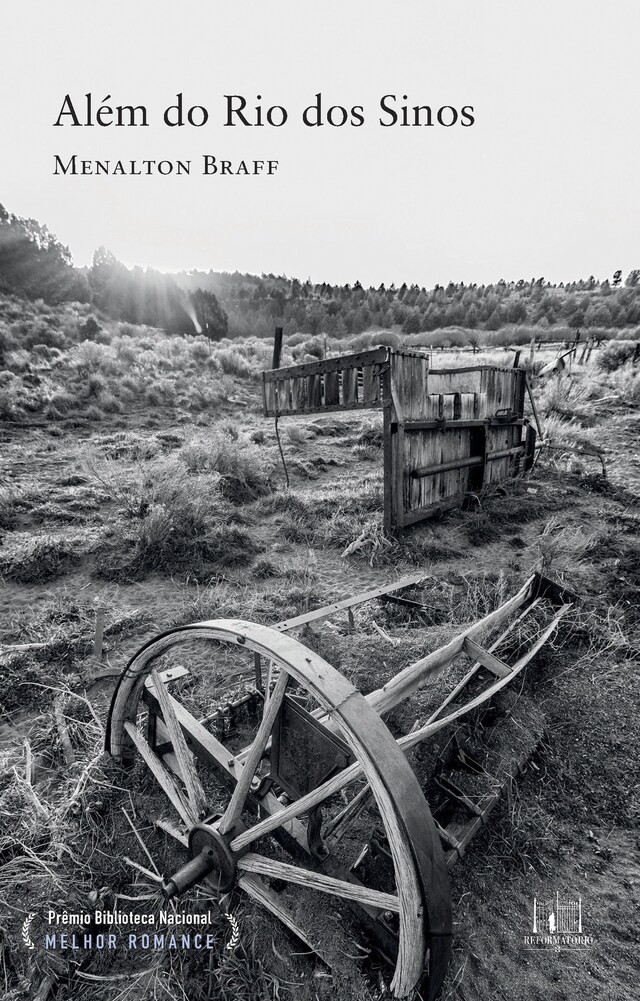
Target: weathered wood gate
column 447, row 432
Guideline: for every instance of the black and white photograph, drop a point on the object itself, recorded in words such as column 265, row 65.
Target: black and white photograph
column 319, row 500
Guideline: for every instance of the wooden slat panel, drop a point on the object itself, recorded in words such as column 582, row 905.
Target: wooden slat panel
column 269, row 397
column 433, row 407
column 283, row 393
column 448, row 405
column 349, row 385
column 379, row 355
column 455, row 381
column 299, row 393
column 314, row 390
column 368, row 384
column 331, row 389
column 467, row 406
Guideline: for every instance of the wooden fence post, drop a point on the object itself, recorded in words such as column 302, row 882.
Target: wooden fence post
column 277, row 348
column 99, row 634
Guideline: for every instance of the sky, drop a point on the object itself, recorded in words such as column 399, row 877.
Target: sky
column 545, row 182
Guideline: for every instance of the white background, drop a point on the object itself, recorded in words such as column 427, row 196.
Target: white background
column 544, row 184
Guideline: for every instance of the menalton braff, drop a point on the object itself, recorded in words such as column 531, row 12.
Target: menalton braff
column 211, row 165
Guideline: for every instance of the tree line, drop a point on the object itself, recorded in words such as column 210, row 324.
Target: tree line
column 35, row 265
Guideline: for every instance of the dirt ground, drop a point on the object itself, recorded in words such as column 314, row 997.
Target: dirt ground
column 568, row 826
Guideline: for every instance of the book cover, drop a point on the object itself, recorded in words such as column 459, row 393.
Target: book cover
column 319, row 478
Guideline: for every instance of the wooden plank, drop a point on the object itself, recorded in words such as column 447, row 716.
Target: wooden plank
column 349, row 386
column 486, row 659
column 447, row 381
column 287, row 625
column 413, row 677
column 314, row 391
column 282, row 393
column 368, row 384
column 398, row 476
column 434, row 425
column 378, row 355
column 387, row 465
column 331, row 389
column 299, row 393
column 269, row 396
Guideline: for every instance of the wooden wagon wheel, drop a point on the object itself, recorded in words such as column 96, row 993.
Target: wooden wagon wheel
column 224, row 847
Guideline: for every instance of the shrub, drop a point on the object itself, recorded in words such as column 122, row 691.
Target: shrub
column 96, row 384
column 614, row 355
column 9, row 409
column 200, row 350
column 91, row 329
column 110, row 404
column 63, row 401
column 385, row 338
column 36, row 560
column 176, row 523
column 161, row 393
column 627, row 383
column 233, row 363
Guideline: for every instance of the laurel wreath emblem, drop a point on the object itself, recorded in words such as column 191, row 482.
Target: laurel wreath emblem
column 235, row 935
column 26, row 925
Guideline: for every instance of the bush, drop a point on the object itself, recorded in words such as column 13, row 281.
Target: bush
column 614, row 355
column 175, row 523
column 91, row 329
column 244, row 472
column 36, row 560
column 627, row 383
column 9, row 409
column 233, row 363
column 385, row 338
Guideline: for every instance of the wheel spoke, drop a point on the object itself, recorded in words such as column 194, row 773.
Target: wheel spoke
column 271, row 709
column 162, row 775
column 339, row 826
column 262, row 866
column 188, row 772
column 302, row 805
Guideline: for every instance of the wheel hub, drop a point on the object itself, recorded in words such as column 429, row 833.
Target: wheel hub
column 210, row 857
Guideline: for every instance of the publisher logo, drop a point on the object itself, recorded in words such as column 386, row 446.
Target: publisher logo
column 558, row 924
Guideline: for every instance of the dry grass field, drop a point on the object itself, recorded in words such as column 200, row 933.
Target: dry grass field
column 138, row 475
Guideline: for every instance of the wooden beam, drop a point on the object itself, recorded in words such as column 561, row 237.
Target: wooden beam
column 413, row 677
column 323, row 613
column 417, row 736
column 378, row 355
column 277, row 348
column 486, row 659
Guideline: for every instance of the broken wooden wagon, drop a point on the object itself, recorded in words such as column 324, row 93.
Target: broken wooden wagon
column 447, row 432
column 287, row 783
